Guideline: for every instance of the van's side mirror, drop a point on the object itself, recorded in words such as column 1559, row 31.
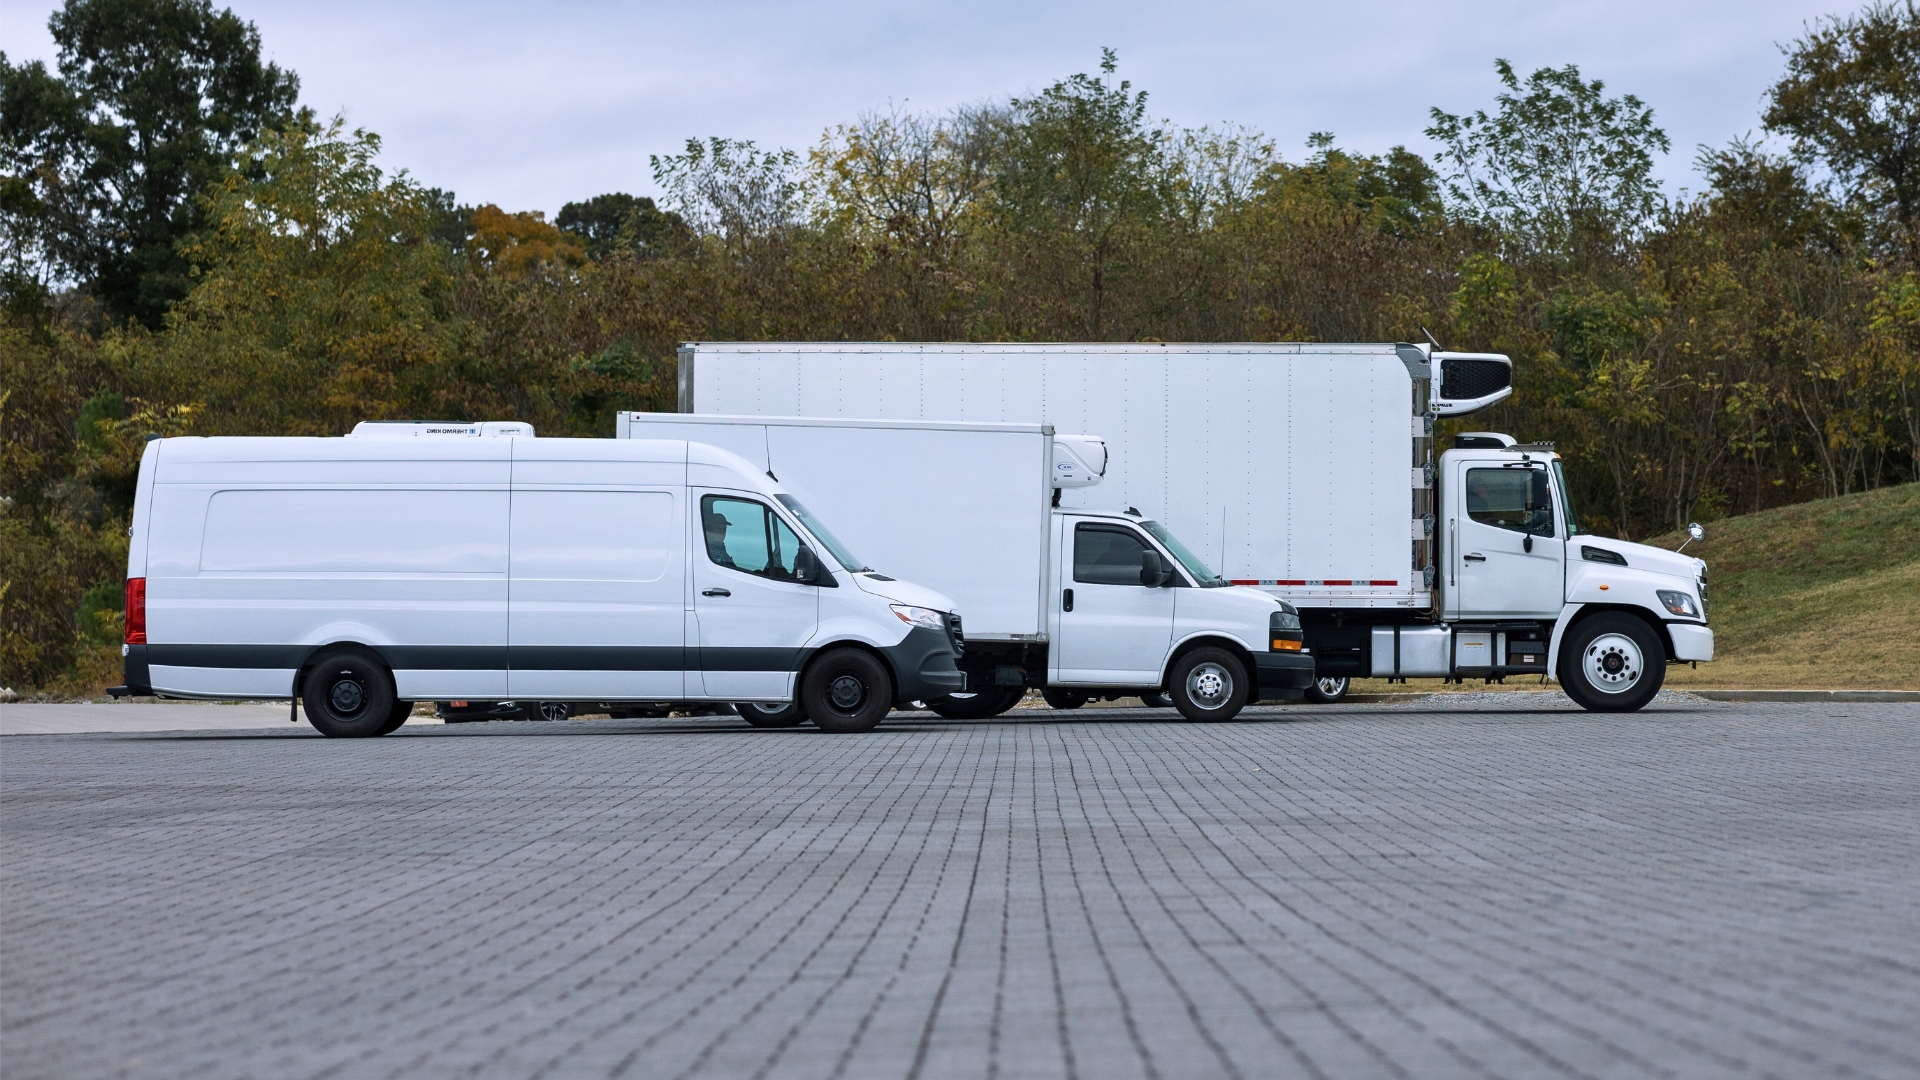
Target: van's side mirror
column 1152, row 574
column 806, row 566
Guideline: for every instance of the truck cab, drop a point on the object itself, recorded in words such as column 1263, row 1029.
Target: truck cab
column 1133, row 610
column 1523, row 590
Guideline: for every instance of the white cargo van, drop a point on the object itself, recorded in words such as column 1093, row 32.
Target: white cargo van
column 361, row 574
column 1081, row 602
column 1308, row 471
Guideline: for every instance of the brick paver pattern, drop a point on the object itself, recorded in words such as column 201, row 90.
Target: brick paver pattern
column 1474, row 890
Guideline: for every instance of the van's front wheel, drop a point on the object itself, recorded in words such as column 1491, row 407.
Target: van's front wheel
column 847, row 690
column 1209, row 684
column 349, row 695
column 766, row 715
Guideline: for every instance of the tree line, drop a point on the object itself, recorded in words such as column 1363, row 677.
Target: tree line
column 190, row 252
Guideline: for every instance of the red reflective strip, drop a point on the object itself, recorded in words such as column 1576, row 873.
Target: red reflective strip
column 1244, row 581
column 136, row 611
column 1383, row 583
column 1291, row 581
column 1342, row 581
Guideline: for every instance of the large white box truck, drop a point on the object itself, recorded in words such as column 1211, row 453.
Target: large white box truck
column 1076, row 601
column 430, row 561
column 1307, row 471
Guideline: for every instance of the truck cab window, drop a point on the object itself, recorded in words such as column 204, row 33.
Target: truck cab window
column 1107, row 555
column 1516, row 499
column 749, row 537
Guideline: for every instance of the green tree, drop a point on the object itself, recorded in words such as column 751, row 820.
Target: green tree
column 151, row 100
column 618, row 222
column 1851, row 100
column 1559, row 169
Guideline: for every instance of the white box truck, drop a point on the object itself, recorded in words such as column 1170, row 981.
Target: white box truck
column 426, row 561
column 1308, row 471
column 1079, row 602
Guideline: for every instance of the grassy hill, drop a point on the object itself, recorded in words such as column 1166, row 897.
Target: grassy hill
column 1822, row 594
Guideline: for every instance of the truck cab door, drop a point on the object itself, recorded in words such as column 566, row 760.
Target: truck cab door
column 1506, row 558
column 1108, row 628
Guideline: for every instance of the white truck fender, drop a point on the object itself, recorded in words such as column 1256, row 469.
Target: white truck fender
column 1567, row 612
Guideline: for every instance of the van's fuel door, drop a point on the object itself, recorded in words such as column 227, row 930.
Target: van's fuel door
column 1468, row 382
column 1078, row 460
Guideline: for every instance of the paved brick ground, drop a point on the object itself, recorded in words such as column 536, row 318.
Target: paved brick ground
column 1475, row 889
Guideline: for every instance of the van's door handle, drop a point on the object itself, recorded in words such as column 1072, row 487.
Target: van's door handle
column 1066, row 600
column 1474, row 556
column 716, row 592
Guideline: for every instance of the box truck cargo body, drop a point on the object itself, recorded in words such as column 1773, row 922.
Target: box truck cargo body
column 1081, row 602
column 409, row 562
column 1305, row 470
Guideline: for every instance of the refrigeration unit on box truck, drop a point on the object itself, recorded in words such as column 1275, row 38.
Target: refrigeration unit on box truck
column 1307, row 471
column 441, row 561
column 1082, row 601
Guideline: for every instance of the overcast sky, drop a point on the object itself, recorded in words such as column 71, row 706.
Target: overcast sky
column 534, row 105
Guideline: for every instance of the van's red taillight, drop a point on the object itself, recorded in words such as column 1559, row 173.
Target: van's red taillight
column 136, row 611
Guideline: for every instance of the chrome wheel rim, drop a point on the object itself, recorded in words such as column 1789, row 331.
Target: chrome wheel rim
column 769, row 710
column 1331, row 687
column 1209, row 685
column 1613, row 663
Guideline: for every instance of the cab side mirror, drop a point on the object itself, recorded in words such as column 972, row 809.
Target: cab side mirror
column 806, row 566
column 1152, row 573
column 1694, row 530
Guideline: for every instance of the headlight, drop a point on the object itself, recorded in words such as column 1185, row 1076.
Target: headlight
column 1679, row 603
column 1284, row 620
column 920, row 616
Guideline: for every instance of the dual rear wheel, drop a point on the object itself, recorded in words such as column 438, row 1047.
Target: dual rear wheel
column 350, row 695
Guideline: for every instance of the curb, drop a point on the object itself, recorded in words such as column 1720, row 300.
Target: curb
column 1803, row 695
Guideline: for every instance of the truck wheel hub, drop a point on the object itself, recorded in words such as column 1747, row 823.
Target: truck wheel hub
column 1209, row 686
column 1613, row 663
column 846, row 692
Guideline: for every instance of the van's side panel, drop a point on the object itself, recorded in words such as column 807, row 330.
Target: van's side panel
column 261, row 550
column 599, row 573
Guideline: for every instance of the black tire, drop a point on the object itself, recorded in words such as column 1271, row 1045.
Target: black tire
column 760, row 714
column 1156, row 699
column 401, row 710
column 1057, row 698
column 1328, row 690
column 1612, row 662
column 1209, row 684
column 990, row 702
column 349, row 695
column 846, row 690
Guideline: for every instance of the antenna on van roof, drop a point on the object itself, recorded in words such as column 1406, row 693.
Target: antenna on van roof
column 772, row 477
column 1430, row 338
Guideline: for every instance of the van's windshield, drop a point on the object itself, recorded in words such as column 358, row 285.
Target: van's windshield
column 841, row 555
column 1201, row 572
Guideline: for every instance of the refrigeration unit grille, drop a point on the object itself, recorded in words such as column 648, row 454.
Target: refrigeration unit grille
column 1464, row 380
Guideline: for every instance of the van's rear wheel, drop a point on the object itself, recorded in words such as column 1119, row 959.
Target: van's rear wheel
column 1209, row 684
column 1326, row 691
column 992, row 701
column 1064, row 699
column 1612, row 662
column 761, row 714
column 846, row 690
column 349, row 695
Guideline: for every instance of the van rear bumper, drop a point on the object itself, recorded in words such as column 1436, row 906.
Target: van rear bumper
column 1283, row 676
column 134, row 674
column 923, row 666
